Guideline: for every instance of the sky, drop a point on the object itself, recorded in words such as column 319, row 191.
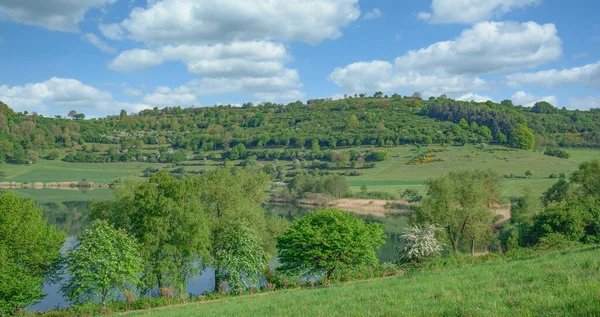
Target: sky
column 100, row 56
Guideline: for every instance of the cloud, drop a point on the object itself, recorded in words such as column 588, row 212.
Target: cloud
column 111, row 31
column 588, row 75
column 165, row 96
column 254, row 68
column 129, row 91
column 580, row 55
column 529, row 100
column 57, row 15
column 584, row 103
column 383, row 76
column 217, row 21
column 97, row 42
column 135, row 59
column 474, row 97
column 488, row 47
column 471, row 11
column 64, row 93
column 373, row 14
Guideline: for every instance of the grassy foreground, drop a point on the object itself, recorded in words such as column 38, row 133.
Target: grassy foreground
column 560, row 284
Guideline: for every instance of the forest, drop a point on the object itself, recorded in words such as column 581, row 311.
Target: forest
column 381, row 121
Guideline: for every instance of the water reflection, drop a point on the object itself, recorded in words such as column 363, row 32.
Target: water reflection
column 71, row 217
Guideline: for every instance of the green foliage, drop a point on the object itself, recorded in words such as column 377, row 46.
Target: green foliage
column 166, row 216
column 412, row 195
column 332, row 185
column 587, row 178
column 525, row 208
column 557, row 153
column 326, row 241
column 459, row 203
column 29, row 252
column 558, row 219
column 240, row 256
column 380, row 155
column 522, row 138
column 105, row 262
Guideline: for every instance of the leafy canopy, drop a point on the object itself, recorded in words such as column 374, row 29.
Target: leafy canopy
column 105, row 261
column 29, row 252
column 328, row 240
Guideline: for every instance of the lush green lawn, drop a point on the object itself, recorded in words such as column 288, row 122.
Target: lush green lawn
column 557, row 284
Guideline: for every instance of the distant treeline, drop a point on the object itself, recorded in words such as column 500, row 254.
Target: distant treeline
column 375, row 121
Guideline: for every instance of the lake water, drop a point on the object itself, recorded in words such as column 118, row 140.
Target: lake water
column 71, row 217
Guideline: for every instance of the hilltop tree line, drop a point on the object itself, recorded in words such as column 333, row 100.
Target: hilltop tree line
column 376, row 121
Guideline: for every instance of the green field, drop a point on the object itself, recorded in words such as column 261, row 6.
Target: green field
column 557, row 284
column 392, row 175
column 48, row 195
column 58, row 171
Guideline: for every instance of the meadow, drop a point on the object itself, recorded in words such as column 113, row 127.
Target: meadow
column 392, row 175
column 559, row 284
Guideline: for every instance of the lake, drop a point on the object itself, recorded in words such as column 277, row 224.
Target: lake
column 70, row 215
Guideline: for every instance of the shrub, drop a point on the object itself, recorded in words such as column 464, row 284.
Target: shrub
column 557, row 153
column 418, row 244
column 555, row 241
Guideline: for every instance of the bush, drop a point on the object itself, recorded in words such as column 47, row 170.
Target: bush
column 418, row 244
column 555, row 241
column 557, row 153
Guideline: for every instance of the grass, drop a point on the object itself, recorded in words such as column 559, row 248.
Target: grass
column 559, row 284
column 392, row 175
column 58, row 171
column 47, row 195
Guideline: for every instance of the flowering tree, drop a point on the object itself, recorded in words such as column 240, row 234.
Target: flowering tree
column 105, row 261
column 418, row 244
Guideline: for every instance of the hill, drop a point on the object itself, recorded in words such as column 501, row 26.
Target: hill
column 318, row 124
column 559, row 284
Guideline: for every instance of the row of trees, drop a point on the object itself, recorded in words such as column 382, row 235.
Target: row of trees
column 153, row 237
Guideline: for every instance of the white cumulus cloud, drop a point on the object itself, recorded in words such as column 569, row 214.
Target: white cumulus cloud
column 64, row 93
column 528, row 100
column 218, row 21
column 588, row 75
column 472, row 11
column 58, row 15
column 373, row 14
column 488, row 47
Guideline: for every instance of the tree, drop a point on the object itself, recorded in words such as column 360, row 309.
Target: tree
column 412, row 195
column 326, row 241
column 522, row 137
column 105, row 262
column 231, row 196
column 529, row 173
column 72, row 114
column 587, row 177
column 525, row 208
column 29, row 252
column 352, row 122
column 166, row 217
column 459, row 204
column 240, row 256
column 418, row 244
column 341, row 158
column 378, row 94
column 416, row 95
column 79, row 116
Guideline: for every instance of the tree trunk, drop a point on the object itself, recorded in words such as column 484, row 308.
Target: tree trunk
column 104, row 291
column 473, row 246
column 217, row 280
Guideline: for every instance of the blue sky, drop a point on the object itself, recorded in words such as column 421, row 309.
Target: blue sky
column 101, row 56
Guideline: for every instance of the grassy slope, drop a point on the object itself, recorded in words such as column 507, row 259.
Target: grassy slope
column 560, row 284
column 390, row 176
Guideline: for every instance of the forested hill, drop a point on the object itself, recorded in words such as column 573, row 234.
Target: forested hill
column 378, row 121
